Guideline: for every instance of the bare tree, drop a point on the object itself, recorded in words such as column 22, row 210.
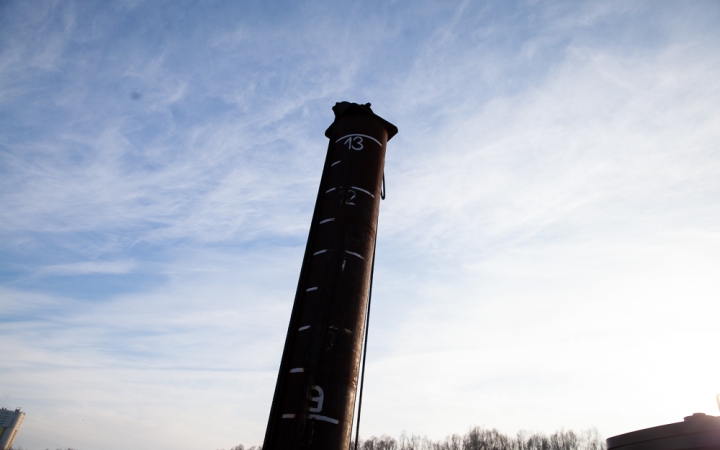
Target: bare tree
column 479, row 438
column 591, row 440
column 383, row 442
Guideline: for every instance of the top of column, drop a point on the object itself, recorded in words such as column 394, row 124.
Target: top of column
column 342, row 109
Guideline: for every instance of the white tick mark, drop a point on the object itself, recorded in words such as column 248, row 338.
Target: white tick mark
column 363, row 135
column 323, row 418
column 336, row 162
column 297, row 370
column 354, row 254
column 362, row 190
column 330, row 190
column 314, row 288
column 304, row 328
column 288, row 416
column 326, row 221
column 321, row 251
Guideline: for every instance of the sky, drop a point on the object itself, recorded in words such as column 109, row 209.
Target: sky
column 548, row 252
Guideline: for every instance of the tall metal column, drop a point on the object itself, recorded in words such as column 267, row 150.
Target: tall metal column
column 315, row 392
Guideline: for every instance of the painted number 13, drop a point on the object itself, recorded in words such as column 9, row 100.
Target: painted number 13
column 354, row 143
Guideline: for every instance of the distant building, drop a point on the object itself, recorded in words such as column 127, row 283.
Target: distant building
column 10, row 422
column 696, row 432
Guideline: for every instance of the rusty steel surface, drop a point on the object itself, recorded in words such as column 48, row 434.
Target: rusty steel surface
column 315, row 392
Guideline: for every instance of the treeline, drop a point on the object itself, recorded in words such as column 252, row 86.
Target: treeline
column 479, row 438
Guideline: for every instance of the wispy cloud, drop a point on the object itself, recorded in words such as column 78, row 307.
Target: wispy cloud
column 549, row 240
column 112, row 267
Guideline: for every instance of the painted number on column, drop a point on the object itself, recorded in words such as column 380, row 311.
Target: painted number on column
column 354, row 142
column 318, row 399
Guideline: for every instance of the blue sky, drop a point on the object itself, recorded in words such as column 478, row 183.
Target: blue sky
column 547, row 255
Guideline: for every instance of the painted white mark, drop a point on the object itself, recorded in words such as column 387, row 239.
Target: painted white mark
column 323, row 418
column 314, row 288
column 354, row 254
column 321, row 251
column 306, row 327
column 363, row 190
column 332, row 327
column 318, row 399
column 288, row 416
column 326, row 221
column 363, row 135
column 343, row 266
column 297, row 370
column 330, row 190
column 354, row 143
column 336, row 162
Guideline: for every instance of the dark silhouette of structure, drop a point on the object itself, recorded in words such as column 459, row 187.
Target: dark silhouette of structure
column 696, row 432
column 315, row 392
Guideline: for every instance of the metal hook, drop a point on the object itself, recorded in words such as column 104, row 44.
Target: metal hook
column 382, row 191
